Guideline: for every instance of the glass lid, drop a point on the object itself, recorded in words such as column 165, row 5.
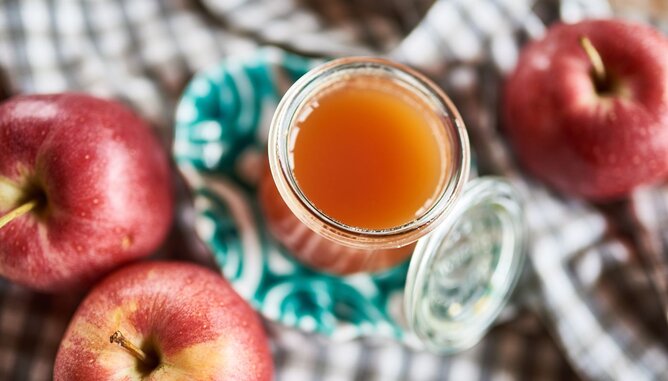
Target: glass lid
column 462, row 274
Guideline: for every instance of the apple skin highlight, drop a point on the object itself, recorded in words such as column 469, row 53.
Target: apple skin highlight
column 104, row 186
column 583, row 140
column 190, row 316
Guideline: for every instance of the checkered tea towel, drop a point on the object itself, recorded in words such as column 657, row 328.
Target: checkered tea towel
column 586, row 307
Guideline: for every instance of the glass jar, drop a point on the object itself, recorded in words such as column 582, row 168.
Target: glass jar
column 466, row 245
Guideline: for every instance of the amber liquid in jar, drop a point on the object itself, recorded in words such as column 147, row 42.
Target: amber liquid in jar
column 365, row 152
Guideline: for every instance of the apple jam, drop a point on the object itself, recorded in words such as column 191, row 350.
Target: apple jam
column 366, row 153
column 366, row 159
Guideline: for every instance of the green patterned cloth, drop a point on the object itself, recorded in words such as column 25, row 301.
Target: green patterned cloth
column 221, row 131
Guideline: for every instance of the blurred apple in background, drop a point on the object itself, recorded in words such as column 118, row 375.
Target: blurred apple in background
column 84, row 187
column 165, row 321
column 586, row 109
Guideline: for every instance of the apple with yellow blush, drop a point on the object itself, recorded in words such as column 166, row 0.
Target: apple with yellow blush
column 164, row 321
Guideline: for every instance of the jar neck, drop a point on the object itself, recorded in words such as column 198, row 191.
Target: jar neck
column 450, row 130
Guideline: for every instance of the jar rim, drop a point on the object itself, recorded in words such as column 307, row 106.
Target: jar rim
column 304, row 90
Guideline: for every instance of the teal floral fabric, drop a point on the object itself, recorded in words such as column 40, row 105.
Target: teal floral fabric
column 222, row 122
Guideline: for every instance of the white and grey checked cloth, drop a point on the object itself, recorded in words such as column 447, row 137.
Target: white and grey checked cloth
column 586, row 307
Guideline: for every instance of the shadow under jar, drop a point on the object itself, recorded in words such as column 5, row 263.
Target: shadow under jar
column 368, row 167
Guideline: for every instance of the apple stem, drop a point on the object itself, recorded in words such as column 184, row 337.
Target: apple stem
column 18, row 212
column 595, row 59
column 119, row 339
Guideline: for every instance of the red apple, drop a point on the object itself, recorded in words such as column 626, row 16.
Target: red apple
column 84, row 187
column 587, row 108
column 164, row 321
